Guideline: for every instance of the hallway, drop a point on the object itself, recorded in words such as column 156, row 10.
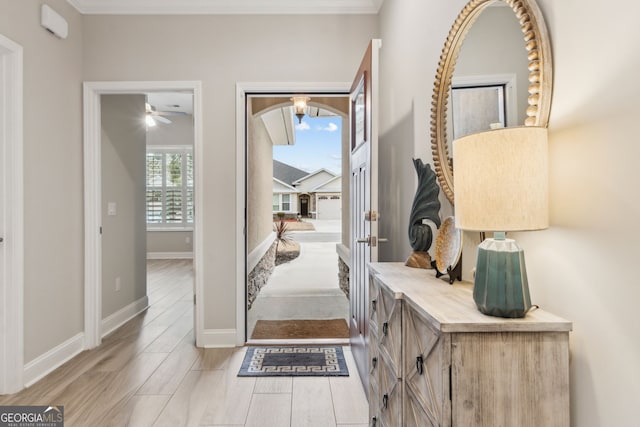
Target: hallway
column 149, row 373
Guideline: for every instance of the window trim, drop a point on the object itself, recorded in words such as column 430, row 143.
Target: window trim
column 280, row 202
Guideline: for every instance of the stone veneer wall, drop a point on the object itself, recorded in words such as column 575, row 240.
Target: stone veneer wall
column 260, row 274
column 343, row 276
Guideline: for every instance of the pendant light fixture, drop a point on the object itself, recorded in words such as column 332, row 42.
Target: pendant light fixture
column 300, row 106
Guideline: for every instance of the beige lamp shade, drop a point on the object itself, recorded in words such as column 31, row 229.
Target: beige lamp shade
column 501, row 180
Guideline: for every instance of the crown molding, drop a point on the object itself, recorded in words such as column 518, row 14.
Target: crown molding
column 226, row 7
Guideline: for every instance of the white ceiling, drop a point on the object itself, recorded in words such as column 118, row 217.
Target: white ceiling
column 171, row 101
column 225, row 7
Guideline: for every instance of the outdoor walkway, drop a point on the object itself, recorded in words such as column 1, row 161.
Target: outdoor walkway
column 307, row 287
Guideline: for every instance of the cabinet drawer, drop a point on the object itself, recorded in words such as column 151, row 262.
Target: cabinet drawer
column 374, row 393
column 374, row 297
column 389, row 400
column 374, row 363
column 426, row 361
column 390, row 328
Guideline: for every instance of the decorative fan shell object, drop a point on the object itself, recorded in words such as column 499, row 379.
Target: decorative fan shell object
column 449, row 249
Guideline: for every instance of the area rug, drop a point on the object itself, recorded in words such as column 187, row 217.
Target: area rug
column 294, row 361
column 300, row 329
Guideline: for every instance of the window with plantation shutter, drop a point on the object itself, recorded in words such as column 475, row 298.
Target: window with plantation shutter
column 169, row 187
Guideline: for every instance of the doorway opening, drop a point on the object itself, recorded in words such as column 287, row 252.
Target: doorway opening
column 164, row 198
column 170, row 213
column 294, row 204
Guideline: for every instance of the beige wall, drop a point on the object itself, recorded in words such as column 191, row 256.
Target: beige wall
column 124, row 244
column 221, row 51
column 582, row 267
column 53, row 206
column 259, row 184
column 169, row 241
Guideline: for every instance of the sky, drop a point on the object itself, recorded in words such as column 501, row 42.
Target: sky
column 318, row 145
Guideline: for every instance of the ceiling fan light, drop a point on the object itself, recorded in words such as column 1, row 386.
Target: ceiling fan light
column 149, row 120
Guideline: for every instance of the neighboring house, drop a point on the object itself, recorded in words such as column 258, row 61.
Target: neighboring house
column 328, row 199
column 284, row 198
column 311, row 195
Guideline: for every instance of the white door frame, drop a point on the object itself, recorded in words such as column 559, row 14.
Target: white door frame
column 242, row 89
column 93, row 197
column 12, row 280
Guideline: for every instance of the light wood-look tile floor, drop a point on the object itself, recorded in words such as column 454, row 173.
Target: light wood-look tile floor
column 149, row 373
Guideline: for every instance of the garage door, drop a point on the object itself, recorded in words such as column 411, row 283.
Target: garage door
column 329, row 207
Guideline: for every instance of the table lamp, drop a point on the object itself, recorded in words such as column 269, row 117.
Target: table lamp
column 501, row 184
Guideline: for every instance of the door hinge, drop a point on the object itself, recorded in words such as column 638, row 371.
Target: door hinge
column 371, row 216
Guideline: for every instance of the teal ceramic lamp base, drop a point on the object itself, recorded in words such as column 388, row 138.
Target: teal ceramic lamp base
column 500, row 287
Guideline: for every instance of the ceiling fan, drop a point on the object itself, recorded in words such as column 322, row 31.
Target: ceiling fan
column 152, row 115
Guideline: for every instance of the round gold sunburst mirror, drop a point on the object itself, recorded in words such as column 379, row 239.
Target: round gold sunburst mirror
column 478, row 82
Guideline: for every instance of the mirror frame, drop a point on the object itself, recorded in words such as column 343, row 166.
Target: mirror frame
column 538, row 49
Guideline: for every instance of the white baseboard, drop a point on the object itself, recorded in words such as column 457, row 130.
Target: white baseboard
column 169, row 255
column 218, row 338
column 52, row 359
column 120, row 317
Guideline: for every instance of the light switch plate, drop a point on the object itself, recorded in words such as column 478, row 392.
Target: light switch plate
column 112, row 209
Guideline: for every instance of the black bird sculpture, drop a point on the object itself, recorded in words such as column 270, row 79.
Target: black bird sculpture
column 425, row 206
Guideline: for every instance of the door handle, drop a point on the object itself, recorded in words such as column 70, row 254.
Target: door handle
column 420, row 365
column 372, row 240
column 366, row 240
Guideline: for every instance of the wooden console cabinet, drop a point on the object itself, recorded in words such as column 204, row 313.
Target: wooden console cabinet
column 435, row 360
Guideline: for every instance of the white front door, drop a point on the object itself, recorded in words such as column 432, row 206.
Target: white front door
column 364, row 201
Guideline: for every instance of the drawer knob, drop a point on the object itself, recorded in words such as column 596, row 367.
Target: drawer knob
column 374, row 362
column 385, row 328
column 385, row 401
column 420, row 365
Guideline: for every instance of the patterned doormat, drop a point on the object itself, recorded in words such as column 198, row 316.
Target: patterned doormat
column 298, row 361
